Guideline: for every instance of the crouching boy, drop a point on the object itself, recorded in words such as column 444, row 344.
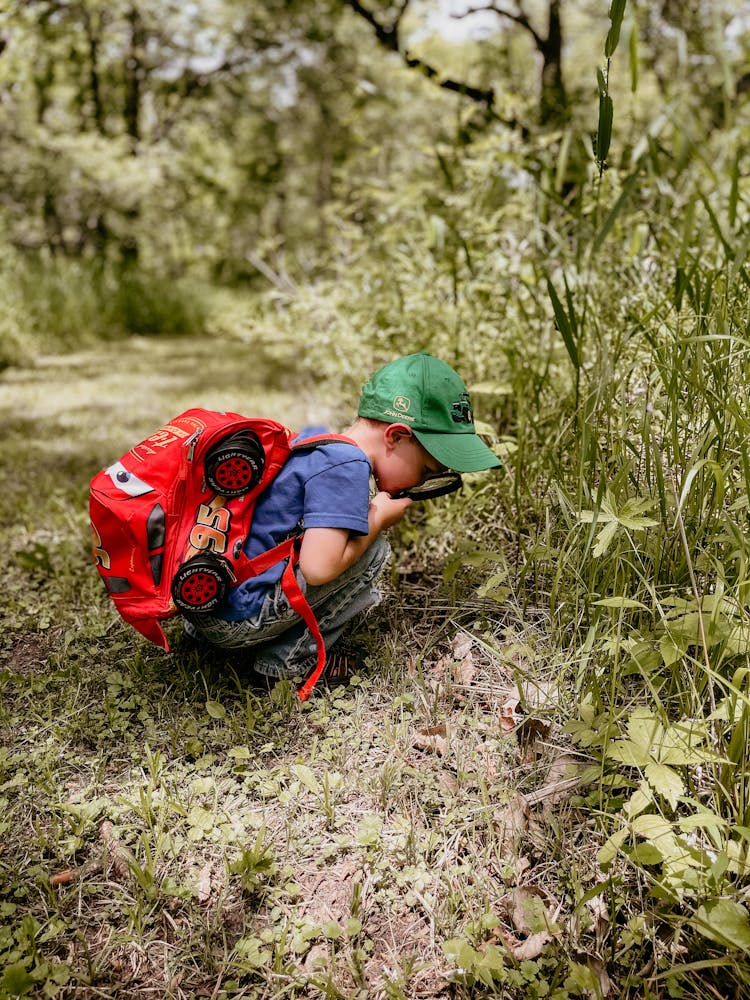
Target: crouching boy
column 414, row 421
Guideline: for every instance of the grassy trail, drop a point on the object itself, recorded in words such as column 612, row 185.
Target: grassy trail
column 170, row 831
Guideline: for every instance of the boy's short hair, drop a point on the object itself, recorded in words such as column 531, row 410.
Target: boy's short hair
column 427, row 395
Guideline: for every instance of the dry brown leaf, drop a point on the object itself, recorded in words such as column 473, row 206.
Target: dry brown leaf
column 531, row 728
column 440, row 729
column 531, row 946
column 531, row 735
column 464, row 671
column 522, row 866
column 62, row 878
column 431, row 741
column 447, row 782
column 538, row 693
column 512, row 822
column 203, row 885
column 520, row 906
column 509, row 717
column 457, row 667
column 599, row 911
column 563, row 767
column 461, row 645
column 441, row 668
column 528, row 949
column 599, row 916
column 600, row 971
column 433, row 738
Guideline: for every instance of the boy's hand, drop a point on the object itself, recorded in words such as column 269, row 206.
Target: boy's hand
column 385, row 511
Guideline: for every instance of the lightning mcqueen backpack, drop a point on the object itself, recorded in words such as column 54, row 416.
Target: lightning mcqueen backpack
column 170, row 518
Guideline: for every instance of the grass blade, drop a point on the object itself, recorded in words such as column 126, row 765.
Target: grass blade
column 564, row 325
column 616, row 13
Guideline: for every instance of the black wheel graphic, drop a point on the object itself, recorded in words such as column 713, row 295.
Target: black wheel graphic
column 200, row 583
column 234, row 466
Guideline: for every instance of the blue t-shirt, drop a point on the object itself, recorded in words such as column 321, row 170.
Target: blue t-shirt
column 325, row 487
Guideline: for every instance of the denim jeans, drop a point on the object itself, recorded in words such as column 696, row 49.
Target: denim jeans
column 284, row 646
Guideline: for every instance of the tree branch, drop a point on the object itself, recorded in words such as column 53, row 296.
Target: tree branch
column 519, row 18
column 402, row 11
column 388, row 36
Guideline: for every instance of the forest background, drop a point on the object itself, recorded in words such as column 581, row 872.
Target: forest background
column 554, row 197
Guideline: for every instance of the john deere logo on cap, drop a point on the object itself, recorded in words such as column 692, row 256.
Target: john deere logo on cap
column 402, row 403
column 461, row 412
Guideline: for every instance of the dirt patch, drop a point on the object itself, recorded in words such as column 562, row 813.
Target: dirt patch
column 328, row 894
column 403, row 953
column 27, row 655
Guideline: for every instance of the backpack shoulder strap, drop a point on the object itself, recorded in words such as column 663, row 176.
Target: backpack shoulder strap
column 315, row 440
column 298, row 601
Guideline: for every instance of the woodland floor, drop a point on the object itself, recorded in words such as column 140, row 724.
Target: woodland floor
column 168, row 830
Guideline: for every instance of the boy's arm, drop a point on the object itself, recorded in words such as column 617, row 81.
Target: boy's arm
column 326, row 552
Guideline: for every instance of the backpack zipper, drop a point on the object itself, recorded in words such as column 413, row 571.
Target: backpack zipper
column 191, row 444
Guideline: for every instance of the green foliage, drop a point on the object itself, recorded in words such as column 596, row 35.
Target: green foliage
column 254, row 865
column 629, row 470
column 590, row 281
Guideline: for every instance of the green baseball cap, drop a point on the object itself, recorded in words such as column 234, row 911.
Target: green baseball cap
column 426, row 394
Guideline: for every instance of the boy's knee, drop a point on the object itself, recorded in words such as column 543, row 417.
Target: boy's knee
column 377, row 556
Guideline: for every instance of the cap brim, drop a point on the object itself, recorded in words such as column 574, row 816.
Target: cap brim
column 460, row 452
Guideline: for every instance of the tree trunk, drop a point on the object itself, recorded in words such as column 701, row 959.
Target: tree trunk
column 553, row 108
column 134, row 75
column 132, row 113
column 92, row 37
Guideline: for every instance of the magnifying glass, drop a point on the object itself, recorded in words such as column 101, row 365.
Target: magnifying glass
column 435, row 486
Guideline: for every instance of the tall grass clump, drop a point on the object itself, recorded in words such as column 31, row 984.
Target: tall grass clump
column 654, row 570
column 633, row 499
column 14, row 342
column 55, row 303
column 604, row 335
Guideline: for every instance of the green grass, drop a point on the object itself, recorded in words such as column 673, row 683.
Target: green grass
column 168, row 826
column 62, row 304
column 536, row 788
column 618, row 393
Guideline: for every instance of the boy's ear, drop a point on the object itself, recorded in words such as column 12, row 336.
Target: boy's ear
column 395, row 432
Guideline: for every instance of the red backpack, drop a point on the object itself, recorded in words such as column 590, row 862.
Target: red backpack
column 170, row 518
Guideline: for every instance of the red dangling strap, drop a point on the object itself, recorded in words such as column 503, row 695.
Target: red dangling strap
column 289, row 549
column 298, row 601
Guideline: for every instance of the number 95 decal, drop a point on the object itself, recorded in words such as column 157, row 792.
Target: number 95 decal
column 211, row 529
